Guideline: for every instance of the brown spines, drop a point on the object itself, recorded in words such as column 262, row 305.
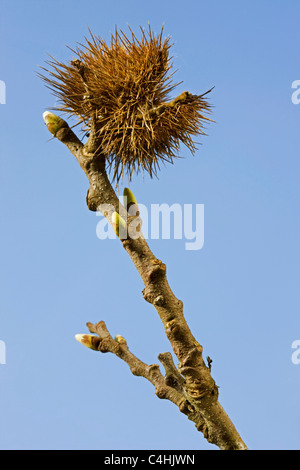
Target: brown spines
column 124, row 87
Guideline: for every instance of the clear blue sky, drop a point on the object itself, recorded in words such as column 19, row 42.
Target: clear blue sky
column 240, row 292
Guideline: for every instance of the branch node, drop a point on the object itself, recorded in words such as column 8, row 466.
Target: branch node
column 173, row 329
column 161, row 392
column 159, row 301
column 157, row 271
column 104, row 346
column 147, row 295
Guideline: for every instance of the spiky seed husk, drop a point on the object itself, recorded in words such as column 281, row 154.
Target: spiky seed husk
column 123, row 88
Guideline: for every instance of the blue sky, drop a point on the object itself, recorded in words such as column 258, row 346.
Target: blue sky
column 240, row 291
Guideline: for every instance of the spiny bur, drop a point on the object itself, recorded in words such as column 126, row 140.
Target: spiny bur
column 120, row 92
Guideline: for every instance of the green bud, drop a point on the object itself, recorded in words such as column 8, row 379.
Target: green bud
column 129, row 201
column 53, row 122
column 119, row 225
column 120, row 339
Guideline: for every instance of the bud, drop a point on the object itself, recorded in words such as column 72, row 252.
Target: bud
column 53, row 122
column 130, row 200
column 90, row 341
column 120, row 339
column 119, row 225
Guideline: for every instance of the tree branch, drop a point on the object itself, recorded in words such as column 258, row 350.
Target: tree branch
column 172, row 377
column 199, row 387
column 183, row 98
column 163, row 388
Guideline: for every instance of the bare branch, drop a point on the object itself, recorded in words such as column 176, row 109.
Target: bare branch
column 150, row 372
column 200, row 389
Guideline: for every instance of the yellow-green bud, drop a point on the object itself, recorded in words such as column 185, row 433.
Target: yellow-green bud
column 130, row 200
column 90, row 341
column 119, row 225
column 120, row 339
column 54, row 123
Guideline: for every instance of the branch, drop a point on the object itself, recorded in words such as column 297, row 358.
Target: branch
column 172, row 377
column 183, row 98
column 163, row 388
column 199, row 387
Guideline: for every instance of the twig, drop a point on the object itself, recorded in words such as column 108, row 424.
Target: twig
column 163, row 390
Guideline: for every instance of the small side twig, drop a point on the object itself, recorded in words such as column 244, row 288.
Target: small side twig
column 163, row 389
column 172, row 377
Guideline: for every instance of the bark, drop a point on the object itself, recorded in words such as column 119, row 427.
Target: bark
column 190, row 387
